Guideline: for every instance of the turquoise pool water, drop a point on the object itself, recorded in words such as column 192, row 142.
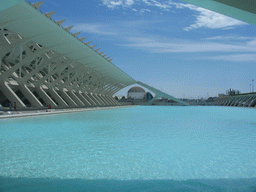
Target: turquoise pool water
column 156, row 148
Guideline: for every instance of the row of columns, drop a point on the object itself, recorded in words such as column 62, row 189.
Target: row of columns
column 238, row 101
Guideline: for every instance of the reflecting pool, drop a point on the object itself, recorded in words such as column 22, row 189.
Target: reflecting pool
column 131, row 149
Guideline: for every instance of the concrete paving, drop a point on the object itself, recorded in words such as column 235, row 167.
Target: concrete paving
column 29, row 113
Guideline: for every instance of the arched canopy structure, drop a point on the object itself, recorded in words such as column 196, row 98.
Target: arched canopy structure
column 43, row 63
column 160, row 94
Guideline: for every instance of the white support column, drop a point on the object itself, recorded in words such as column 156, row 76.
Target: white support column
column 109, row 102
column 86, row 95
column 57, row 97
column 113, row 101
column 75, row 98
column 45, row 97
column 82, row 98
column 94, row 99
column 104, row 99
column 30, row 96
column 10, row 95
column 98, row 98
column 67, row 98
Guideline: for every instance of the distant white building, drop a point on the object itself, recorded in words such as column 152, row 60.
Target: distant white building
column 136, row 93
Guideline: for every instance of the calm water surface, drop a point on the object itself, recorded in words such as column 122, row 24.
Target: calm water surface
column 173, row 144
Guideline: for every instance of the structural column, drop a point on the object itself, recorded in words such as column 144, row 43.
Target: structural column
column 75, row 98
column 89, row 99
column 30, row 96
column 81, row 97
column 99, row 99
column 45, row 96
column 67, row 98
column 10, row 94
column 94, row 99
column 104, row 99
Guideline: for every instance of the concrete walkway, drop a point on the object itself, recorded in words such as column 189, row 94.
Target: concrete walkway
column 30, row 113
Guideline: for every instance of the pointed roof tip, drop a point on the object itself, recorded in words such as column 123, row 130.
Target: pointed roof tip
column 69, row 28
column 37, row 5
column 97, row 49
column 110, row 59
column 107, row 58
column 87, row 43
column 104, row 55
column 75, row 34
column 93, row 46
column 82, row 38
column 50, row 14
column 101, row 52
column 60, row 21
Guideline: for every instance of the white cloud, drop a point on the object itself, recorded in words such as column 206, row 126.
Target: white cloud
column 129, row 3
column 231, row 37
column 117, row 29
column 235, row 57
column 96, row 28
column 160, row 5
column 133, row 34
column 182, row 46
column 112, row 3
column 147, row 2
column 252, row 43
column 213, row 20
column 144, row 10
column 209, row 19
column 204, row 18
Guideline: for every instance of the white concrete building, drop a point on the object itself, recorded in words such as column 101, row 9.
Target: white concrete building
column 42, row 63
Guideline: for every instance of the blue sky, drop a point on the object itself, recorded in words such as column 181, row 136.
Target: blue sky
column 181, row 49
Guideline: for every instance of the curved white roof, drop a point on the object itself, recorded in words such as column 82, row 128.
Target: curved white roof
column 137, row 90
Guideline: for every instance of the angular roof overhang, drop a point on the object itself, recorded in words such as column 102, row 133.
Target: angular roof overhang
column 238, row 9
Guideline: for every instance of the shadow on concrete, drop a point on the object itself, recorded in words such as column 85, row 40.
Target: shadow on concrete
column 8, row 184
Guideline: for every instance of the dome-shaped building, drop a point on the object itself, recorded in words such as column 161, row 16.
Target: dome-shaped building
column 136, row 93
